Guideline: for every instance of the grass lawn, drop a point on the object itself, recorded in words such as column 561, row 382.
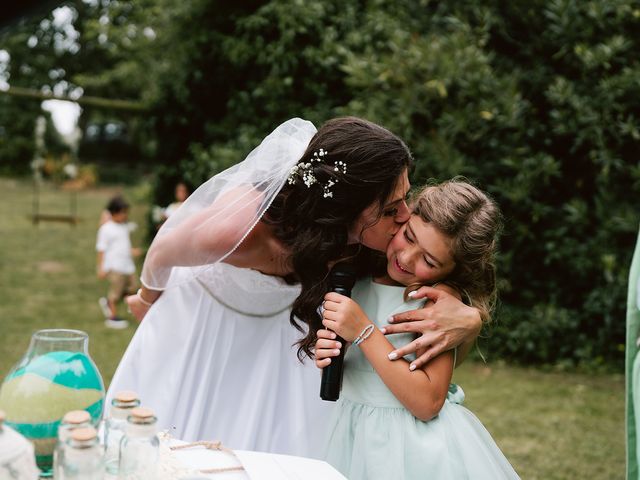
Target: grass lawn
column 551, row 426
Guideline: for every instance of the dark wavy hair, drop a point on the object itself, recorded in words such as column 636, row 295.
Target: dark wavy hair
column 315, row 228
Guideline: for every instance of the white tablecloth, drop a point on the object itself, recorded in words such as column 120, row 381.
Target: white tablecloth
column 257, row 465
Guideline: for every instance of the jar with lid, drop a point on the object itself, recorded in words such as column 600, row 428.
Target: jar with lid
column 115, row 425
column 83, row 456
column 139, row 449
column 71, row 420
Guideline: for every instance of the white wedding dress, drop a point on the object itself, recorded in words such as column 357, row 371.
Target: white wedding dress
column 214, row 358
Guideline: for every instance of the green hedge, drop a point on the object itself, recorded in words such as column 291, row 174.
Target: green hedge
column 536, row 101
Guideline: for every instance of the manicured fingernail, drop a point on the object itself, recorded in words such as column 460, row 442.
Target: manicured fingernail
column 383, row 330
column 392, row 356
column 390, row 319
column 336, row 352
column 412, row 294
column 412, row 367
column 338, row 344
column 333, row 335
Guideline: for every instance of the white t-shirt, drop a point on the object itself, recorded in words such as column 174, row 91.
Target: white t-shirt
column 114, row 242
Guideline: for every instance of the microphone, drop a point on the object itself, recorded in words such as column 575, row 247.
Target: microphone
column 341, row 280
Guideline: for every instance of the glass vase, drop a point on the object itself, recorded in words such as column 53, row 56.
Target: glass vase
column 56, row 375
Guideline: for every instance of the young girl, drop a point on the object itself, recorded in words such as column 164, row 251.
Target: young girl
column 393, row 420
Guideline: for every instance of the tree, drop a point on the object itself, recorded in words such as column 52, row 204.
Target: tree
column 534, row 102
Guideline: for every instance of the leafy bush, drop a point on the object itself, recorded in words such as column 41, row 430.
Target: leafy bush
column 535, row 102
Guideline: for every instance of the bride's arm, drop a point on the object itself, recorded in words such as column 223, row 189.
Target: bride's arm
column 204, row 237
column 443, row 324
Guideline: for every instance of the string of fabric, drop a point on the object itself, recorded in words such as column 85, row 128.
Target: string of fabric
column 217, row 445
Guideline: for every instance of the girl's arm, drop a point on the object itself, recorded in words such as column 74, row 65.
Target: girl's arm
column 99, row 262
column 422, row 391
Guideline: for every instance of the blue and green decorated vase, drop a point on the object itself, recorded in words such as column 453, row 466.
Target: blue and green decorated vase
column 55, row 376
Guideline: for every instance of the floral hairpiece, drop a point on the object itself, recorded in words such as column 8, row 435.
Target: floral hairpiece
column 305, row 171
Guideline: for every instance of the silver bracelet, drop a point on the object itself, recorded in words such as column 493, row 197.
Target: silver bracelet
column 364, row 334
column 144, row 302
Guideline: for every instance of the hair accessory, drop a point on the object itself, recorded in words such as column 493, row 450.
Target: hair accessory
column 340, row 165
column 364, row 334
column 305, row 171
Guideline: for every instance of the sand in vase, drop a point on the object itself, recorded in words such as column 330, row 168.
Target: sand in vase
column 36, row 397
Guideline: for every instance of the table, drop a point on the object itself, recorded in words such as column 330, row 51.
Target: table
column 257, row 465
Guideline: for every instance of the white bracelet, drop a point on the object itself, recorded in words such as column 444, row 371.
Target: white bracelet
column 364, row 334
column 144, row 302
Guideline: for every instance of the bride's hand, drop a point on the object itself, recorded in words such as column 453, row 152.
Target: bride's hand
column 326, row 347
column 137, row 307
column 443, row 324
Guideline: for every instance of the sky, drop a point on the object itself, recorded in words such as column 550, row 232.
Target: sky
column 64, row 114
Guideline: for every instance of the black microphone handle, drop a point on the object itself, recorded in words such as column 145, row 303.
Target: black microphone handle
column 332, row 374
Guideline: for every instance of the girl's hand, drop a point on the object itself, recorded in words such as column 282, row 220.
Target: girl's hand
column 326, row 347
column 343, row 316
column 137, row 307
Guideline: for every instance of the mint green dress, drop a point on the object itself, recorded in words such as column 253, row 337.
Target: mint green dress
column 633, row 367
column 372, row 436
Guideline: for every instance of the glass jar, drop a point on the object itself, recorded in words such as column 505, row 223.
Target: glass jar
column 83, row 457
column 16, row 455
column 56, row 375
column 140, row 447
column 115, row 426
column 72, row 420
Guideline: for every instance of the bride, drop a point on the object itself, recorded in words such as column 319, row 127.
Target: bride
column 245, row 258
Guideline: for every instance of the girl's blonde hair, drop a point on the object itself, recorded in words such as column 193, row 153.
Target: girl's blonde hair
column 472, row 220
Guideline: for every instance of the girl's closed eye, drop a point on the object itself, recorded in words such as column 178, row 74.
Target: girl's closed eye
column 391, row 213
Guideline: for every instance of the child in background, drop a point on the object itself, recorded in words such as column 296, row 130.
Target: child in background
column 393, row 420
column 181, row 194
column 159, row 215
column 115, row 261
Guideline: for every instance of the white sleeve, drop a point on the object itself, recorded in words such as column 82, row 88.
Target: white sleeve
column 103, row 239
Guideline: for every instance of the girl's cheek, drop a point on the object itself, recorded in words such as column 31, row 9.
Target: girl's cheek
column 423, row 274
